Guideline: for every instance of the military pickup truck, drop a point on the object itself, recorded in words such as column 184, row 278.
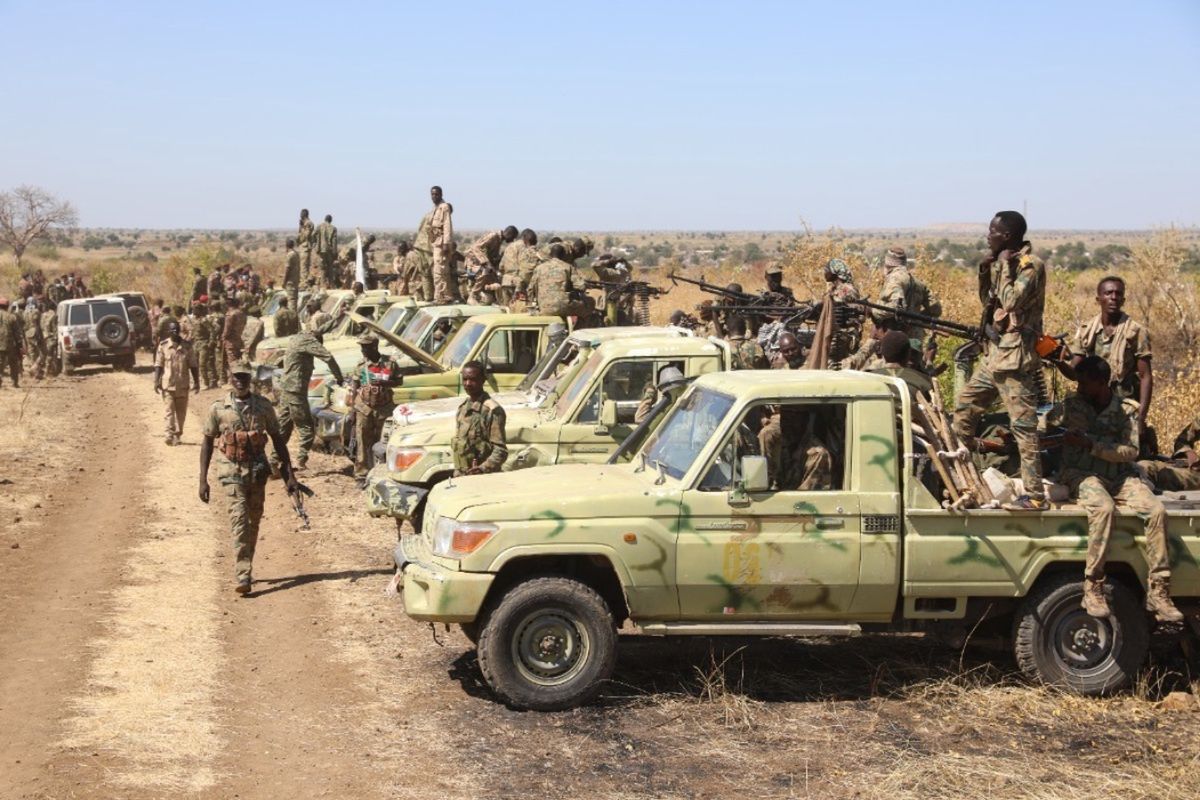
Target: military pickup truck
column 338, row 303
column 589, row 412
column 510, row 344
column 542, row 568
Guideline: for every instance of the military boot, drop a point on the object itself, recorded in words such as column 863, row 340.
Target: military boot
column 1158, row 600
column 1093, row 599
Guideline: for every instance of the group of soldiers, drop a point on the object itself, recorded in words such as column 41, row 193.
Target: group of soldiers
column 29, row 329
column 66, row 286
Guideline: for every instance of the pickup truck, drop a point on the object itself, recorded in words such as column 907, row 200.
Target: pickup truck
column 542, row 568
column 589, row 412
column 337, row 303
column 510, row 344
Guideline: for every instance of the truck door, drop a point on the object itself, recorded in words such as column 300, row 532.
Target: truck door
column 509, row 354
column 583, row 437
column 789, row 553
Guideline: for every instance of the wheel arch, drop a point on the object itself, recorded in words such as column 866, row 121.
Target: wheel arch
column 597, row 569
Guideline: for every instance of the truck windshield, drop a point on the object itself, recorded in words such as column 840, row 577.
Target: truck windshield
column 394, row 318
column 690, row 426
column 581, row 381
column 462, row 344
column 417, row 327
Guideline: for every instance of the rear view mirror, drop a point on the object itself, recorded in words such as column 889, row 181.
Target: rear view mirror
column 754, row 474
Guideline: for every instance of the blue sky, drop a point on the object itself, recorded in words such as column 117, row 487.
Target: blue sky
column 605, row 116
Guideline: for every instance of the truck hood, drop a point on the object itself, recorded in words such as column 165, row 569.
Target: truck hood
column 439, row 430
column 421, row 410
column 541, row 493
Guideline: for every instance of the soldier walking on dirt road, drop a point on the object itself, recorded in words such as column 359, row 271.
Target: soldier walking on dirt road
column 293, row 387
column 173, row 361
column 238, row 427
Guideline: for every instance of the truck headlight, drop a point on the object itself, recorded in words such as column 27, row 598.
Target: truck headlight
column 401, row 458
column 454, row 539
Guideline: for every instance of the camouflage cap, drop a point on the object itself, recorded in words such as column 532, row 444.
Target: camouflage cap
column 242, row 367
column 368, row 338
column 895, row 257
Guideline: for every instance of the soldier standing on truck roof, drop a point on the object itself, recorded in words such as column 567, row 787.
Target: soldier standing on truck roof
column 1012, row 287
column 291, row 273
column 440, row 230
column 1099, row 449
column 1182, row 474
column 12, row 342
column 479, row 444
column 372, row 382
column 550, row 284
column 238, row 427
column 305, row 235
column 1120, row 341
column 327, row 244
column 173, row 361
column 293, row 387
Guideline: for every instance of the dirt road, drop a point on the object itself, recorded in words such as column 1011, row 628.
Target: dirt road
column 128, row 667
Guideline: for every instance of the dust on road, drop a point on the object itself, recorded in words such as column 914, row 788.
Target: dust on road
column 128, row 668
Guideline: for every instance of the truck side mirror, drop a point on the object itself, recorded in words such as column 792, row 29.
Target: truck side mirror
column 754, row 474
column 608, row 417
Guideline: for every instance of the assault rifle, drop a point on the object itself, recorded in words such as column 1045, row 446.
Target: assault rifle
column 735, row 297
column 936, row 324
column 298, row 496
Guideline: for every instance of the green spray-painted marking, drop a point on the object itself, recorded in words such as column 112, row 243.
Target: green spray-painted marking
column 1077, row 529
column 1179, row 552
column 657, row 564
column 560, row 522
column 735, row 596
column 885, row 460
column 972, row 553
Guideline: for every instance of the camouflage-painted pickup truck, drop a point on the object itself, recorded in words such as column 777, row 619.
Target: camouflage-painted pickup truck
column 589, row 412
column 542, row 567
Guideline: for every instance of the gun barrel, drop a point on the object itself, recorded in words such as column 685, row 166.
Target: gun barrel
column 712, row 288
column 935, row 323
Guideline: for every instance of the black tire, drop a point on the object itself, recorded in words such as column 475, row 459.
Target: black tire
column 1056, row 643
column 111, row 331
column 471, row 630
column 562, row 615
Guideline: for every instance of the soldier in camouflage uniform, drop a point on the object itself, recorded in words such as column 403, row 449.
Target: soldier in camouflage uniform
column 12, row 342
column 510, row 266
column 293, row 386
column 790, row 354
column 372, row 382
column 286, row 321
column 174, row 359
column 238, row 427
column 291, row 274
column 49, row 323
column 1120, row 341
column 1012, row 287
column 408, row 265
column 306, row 235
column 847, row 333
column 440, row 231
column 550, row 285
column 744, row 351
column 35, row 349
column 1182, row 474
column 525, row 261
column 205, row 344
column 797, row 459
column 327, row 250
column 1099, row 449
column 479, row 444
column 232, row 329
column 423, row 247
column 902, row 290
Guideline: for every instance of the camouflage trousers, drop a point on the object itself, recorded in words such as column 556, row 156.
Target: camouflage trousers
column 293, row 295
column 209, row 373
column 305, row 262
column 245, row 507
column 1170, row 478
column 294, row 414
column 10, row 361
column 36, row 356
column 175, row 408
column 445, row 284
column 329, row 272
column 53, row 359
column 1017, row 391
column 794, row 463
column 1099, row 497
column 368, row 427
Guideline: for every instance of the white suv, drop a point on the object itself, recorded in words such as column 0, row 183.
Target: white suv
column 95, row 330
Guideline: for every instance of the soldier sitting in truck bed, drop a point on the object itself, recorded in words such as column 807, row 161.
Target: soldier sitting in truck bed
column 1182, row 472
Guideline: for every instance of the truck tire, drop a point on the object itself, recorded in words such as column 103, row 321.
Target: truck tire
column 548, row 644
column 1056, row 643
column 111, row 331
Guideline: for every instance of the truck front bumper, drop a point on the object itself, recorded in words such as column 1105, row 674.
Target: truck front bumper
column 390, row 498
column 433, row 593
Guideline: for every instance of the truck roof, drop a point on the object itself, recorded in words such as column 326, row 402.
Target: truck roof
column 512, row 320
column 594, row 337
column 770, row 383
column 659, row 345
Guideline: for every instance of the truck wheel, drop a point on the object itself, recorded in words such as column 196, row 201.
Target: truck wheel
column 548, row 644
column 1057, row 643
column 471, row 631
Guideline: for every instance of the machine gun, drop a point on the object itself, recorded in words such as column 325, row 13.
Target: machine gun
column 637, row 293
column 936, row 324
column 733, row 296
column 298, row 496
column 804, row 312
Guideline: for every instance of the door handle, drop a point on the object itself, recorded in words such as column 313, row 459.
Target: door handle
column 829, row 523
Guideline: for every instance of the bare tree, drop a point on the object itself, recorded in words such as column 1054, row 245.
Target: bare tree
column 27, row 214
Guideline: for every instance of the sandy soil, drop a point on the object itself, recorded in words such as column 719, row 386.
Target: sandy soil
column 128, row 667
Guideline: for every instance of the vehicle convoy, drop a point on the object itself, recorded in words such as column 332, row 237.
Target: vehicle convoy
column 584, row 418
column 542, row 568
column 270, row 308
column 95, row 330
column 510, row 345
column 337, row 303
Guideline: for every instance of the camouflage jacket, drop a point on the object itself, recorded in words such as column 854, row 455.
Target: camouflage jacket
column 204, row 331
column 305, row 233
column 409, row 267
column 287, row 322
column 1114, row 434
column 327, row 238
column 511, row 257
column 902, row 290
column 50, row 325
column 479, row 439
column 1128, row 343
column 745, row 353
column 228, row 414
column 1016, row 292
column 422, row 241
column 485, row 249
column 291, row 269
column 298, row 362
column 550, row 287
column 234, row 325
column 31, row 319
column 12, row 332
column 372, row 382
column 441, row 229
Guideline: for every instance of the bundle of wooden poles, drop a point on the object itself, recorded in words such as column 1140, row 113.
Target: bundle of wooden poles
column 964, row 485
